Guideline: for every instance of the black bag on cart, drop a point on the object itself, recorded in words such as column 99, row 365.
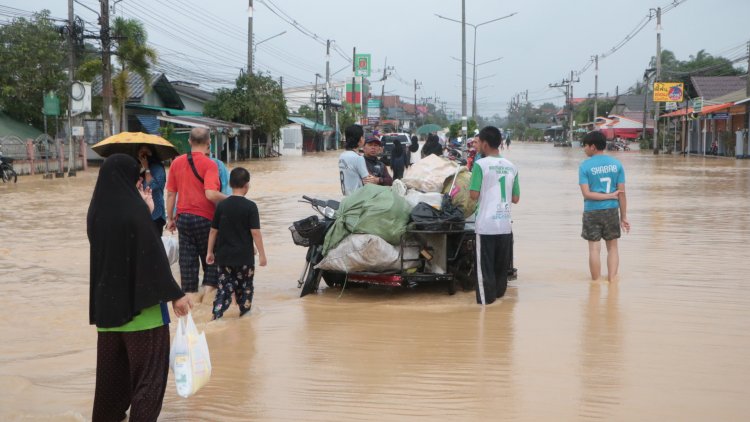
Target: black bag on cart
column 426, row 217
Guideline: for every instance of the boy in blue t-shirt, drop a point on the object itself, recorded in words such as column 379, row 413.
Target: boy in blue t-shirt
column 602, row 181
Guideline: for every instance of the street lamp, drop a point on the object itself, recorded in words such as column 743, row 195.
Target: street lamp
column 474, row 102
column 272, row 36
column 474, row 84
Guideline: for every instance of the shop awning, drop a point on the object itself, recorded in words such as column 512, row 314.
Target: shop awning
column 204, row 122
column 706, row 110
column 310, row 124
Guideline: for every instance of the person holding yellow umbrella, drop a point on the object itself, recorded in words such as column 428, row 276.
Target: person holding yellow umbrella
column 150, row 151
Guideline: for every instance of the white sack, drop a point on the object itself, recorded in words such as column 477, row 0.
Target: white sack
column 429, row 174
column 367, row 252
column 189, row 358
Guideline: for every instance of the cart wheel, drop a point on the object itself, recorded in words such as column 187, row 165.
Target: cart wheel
column 333, row 279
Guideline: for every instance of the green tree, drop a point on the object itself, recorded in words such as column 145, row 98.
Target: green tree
column 32, row 62
column 133, row 55
column 675, row 70
column 584, row 112
column 454, row 130
column 307, row 112
column 348, row 115
column 256, row 100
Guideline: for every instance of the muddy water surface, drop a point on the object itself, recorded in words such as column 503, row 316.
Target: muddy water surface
column 670, row 341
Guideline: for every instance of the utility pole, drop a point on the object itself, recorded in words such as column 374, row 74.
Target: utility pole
column 416, row 86
column 354, row 74
column 328, row 80
column 568, row 85
column 250, row 37
column 656, row 79
column 106, row 69
column 596, row 87
column 315, row 99
column 71, row 40
column 464, row 122
column 570, row 108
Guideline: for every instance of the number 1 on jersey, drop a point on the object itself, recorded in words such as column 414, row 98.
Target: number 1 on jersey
column 503, row 198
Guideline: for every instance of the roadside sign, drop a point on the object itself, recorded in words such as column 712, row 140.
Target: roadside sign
column 77, row 131
column 670, row 106
column 697, row 104
column 362, row 65
column 51, row 105
column 720, row 116
column 668, row 91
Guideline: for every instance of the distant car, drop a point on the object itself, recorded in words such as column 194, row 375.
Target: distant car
column 387, row 142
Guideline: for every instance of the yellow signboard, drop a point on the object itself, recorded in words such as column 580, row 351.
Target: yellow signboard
column 668, row 91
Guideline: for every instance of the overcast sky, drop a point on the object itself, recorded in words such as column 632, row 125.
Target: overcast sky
column 206, row 42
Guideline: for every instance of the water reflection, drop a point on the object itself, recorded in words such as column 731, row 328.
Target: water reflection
column 601, row 352
column 668, row 343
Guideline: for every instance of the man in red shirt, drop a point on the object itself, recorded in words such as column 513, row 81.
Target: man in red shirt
column 195, row 177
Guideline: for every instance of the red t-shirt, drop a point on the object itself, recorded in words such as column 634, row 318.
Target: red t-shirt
column 191, row 193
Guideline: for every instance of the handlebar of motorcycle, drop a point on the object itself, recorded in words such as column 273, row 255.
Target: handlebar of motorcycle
column 314, row 202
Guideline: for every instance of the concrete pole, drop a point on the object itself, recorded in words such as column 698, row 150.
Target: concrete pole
column 104, row 35
column 596, row 87
column 656, row 79
column 474, row 80
column 570, row 109
column 250, row 37
column 328, row 82
column 72, row 41
column 464, row 123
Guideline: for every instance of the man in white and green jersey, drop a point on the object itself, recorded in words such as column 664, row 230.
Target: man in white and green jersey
column 494, row 182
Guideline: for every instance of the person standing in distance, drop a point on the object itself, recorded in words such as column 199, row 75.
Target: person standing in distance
column 602, row 181
column 494, row 183
column 195, row 177
column 352, row 168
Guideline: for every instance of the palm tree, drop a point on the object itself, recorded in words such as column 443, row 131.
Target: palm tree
column 133, row 55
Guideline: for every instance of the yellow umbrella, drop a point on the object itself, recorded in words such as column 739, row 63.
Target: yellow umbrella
column 128, row 142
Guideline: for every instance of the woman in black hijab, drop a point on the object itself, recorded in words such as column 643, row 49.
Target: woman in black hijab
column 432, row 146
column 130, row 284
column 398, row 158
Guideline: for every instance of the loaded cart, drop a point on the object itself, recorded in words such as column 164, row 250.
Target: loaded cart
column 427, row 255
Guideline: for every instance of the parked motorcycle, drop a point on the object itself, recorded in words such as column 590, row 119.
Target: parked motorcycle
column 7, row 173
column 311, row 233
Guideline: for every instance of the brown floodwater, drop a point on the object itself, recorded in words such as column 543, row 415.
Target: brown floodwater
column 669, row 342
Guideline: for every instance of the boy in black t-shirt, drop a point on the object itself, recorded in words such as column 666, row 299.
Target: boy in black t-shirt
column 236, row 226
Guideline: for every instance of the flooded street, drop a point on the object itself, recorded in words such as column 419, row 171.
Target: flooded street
column 670, row 341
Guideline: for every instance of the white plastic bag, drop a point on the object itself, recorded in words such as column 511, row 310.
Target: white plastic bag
column 367, row 252
column 172, row 247
column 189, row 358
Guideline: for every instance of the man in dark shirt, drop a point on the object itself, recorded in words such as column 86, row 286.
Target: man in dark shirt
column 378, row 171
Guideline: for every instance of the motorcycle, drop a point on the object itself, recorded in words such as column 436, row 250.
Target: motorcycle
column 311, row 232
column 7, row 173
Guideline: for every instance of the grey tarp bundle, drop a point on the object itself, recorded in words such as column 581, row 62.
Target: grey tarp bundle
column 371, row 209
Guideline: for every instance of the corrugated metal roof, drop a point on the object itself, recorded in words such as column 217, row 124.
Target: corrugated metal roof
column 193, row 92
column 711, row 87
column 318, row 127
column 171, row 111
column 149, row 123
column 10, row 126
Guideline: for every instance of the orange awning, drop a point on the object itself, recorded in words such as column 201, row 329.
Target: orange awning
column 706, row 110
